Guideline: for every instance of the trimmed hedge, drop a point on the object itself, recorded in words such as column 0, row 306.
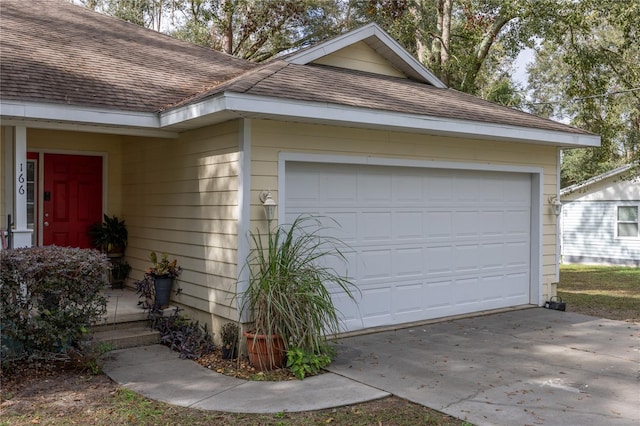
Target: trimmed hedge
column 50, row 297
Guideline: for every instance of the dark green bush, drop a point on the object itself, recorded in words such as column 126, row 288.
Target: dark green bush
column 50, row 297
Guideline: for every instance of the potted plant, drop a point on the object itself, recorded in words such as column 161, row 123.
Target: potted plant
column 119, row 272
column 288, row 292
column 158, row 280
column 110, row 236
column 229, row 334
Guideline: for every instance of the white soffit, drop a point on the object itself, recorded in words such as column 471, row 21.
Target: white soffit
column 285, row 109
column 81, row 118
column 379, row 41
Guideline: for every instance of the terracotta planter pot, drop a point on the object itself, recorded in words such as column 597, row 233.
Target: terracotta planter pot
column 265, row 352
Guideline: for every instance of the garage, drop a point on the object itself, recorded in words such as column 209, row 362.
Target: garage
column 423, row 242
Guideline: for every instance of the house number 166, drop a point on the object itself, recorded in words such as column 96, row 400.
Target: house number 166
column 21, row 180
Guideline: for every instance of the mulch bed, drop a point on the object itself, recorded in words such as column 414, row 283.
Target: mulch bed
column 241, row 368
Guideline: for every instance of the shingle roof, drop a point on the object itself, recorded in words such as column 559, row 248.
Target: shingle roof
column 318, row 83
column 55, row 52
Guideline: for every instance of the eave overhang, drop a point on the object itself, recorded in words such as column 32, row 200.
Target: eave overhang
column 81, row 118
column 230, row 105
column 252, row 106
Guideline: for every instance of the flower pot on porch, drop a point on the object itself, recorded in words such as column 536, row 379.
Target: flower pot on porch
column 162, row 286
column 266, row 352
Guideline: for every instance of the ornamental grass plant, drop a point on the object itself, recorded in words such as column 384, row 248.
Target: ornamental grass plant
column 291, row 282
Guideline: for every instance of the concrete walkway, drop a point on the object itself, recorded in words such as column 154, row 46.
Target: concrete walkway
column 158, row 373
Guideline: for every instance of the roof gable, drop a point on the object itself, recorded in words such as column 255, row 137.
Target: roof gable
column 378, row 41
column 615, row 185
column 360, row 57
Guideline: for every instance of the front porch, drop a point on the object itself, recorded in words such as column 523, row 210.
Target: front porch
column 125, row 325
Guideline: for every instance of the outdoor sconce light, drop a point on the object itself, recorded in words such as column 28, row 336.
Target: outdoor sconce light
column 556, row 205
column 268, row 204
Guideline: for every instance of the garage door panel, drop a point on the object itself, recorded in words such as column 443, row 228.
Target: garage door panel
column 407, row 189
column 375, row 225
column 491, row 256
column 516, row 254
column 423, row 242
column 377, row 264
column 466, row 258
column 465, row 224
column 439, row 260
column 492, row 223
column 407, row 225
column 340, row 187
column 409, row 296
column 375, row 301
column 438, row 224
column 517, row 222
column 374, row 187
column 407, row 262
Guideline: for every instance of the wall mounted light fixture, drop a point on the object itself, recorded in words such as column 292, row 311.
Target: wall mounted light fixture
column 269, row 205
column 556, row 205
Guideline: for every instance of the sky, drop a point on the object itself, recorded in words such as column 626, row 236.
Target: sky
column 520, row 66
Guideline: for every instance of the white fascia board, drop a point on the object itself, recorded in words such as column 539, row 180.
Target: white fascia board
column 249, row 105
column 90, row 128
column 216, row 104
column 77, row 114
column 360, row 34
column 333, row 45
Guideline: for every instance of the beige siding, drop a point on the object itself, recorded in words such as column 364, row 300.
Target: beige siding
column 360, row 57
column 180, row 196
column 269, row 140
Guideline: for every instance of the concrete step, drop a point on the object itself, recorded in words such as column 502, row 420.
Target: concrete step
column 133, row 336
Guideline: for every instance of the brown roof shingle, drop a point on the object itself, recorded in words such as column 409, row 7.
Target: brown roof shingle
column 53, row 51
column 318, row 83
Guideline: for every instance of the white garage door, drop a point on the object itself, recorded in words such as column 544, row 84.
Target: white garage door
column 424, row 243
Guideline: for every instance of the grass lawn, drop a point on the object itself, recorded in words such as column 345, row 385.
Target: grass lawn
column 611, row 292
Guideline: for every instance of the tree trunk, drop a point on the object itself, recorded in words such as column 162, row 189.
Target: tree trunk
column 224, row 28
column 445, row 35
column 483, row 50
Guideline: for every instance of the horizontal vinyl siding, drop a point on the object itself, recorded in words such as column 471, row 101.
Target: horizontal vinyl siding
column 589, row 233
column 361, row 57
column 270, row 139
column 181, row 196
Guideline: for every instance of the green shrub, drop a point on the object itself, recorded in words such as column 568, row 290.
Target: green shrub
column 303, row 363
column 50, row 297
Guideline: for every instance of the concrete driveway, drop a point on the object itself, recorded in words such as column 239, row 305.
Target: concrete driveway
column 527, row 367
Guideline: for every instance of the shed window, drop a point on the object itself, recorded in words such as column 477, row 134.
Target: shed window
column 627, row 221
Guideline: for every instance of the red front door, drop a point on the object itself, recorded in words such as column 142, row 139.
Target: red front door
column 72, row 199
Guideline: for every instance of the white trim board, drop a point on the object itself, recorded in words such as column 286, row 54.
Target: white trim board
column 394, row 52
column 81, row 119
column 304, row 111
